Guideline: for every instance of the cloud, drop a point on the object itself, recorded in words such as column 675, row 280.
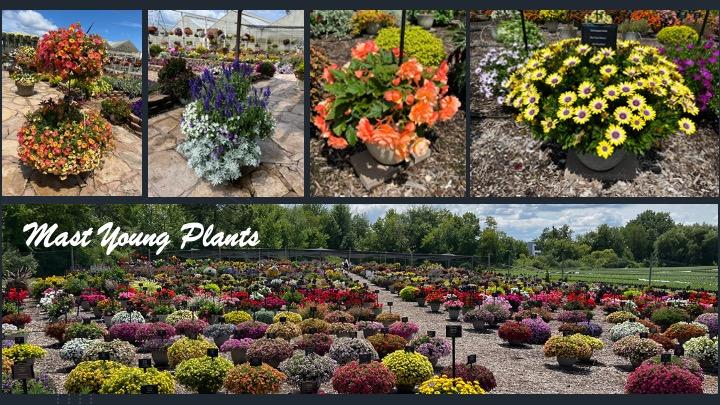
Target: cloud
column 128, row 24
column 26, row 21
column 168, row 18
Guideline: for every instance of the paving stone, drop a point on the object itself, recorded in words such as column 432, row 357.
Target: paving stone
column 267, row 185
column 13, row 180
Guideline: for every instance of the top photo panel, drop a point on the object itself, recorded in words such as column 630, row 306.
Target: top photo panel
column 226, row 103
column 388, row 99
column 71, row 103
column 594, row 103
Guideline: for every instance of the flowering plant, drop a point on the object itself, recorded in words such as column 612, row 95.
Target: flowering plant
column 473, row 372
column 16, row 295
column 246, row 379
column 710, row 320
column 127, row 317
column 88, row 376
column 19, row 319
column 81, row 330
column 129, row 380
column 271, row 351
column 190, row 327
column 378, row 103
column 688, row 363
column 514, row 332
column 385, row 344
column 156, row 330
column 539, row 330
column 701, row 69
column 345, row 350
column 567, row 346
column 599, row 100
column 60, row 139
column 284, row 330
column 124, row 331
column 236, row 317
column 74, row 349
column 251, row 329
column 404, row 329
column 410, row 368
column 23, row 352
column 180, row 315
column 312, row 367
column 620, row 317
column 292, row 317
column 368, row 378
column 453, row 304
column 219, row 330
column 683, row 331
column 71, row 54
column 446, row 385
column 185, row 348
column 235, row 344
column 433, row 348
column 120, row 351
column 314, row 325
column 637, row 349
column 224, row 123
column 627, row 328
column 598, row 17
column 703, row 349
column 663, row 379
column 203, row 373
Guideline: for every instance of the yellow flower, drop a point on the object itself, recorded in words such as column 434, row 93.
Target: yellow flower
column 564, row 113
column 637, row 123
column 553, row 79
column 622, row 115
column 647, row 113
column 567, row 98
column 686, row 126
column 531, row 112
column 615, row 134
column 585, row 89
column 604, row 149
column 583, row 49
column 571, row 61
column 581, row 115
column 598, row 105
column 636, row 102
column 611, row 93
column 596, row 59
column 608, row 70
column 548, row 125
column 531, row 98
column 626, row 88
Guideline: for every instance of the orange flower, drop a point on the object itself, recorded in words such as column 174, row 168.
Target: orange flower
column 441, row 73
column 393, row 96
column 363, row 49
column 337, row 142
column 327, row 74
column 359, row 74
column 422, row 113
column 365, row 130
column 448, row 107
column 410, row 99
column 428, row 92
column 320, row 123
column 410, row 70
column 322, row 107
column 420, row 148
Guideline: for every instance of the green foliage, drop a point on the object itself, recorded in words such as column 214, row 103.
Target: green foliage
column 129, row 380
column 174, row 78
column 419, row 44
column 203, row 373
column 155, row 50
column 665, row 317
column 128, row 84
column 81, row 330
column 115, row 107
column 330, row 23
column 17, row 268
column 510, row 33
column 677, row 36
column 88, row 376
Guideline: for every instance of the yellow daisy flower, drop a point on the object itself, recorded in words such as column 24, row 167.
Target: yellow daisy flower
column 637, row 123
column 581, row 115
column 636, row 102
column 604, row 149
column 538, row 74
column 598, row 105
column 585, row 90
column 626, row 88
column 647, row 113
column 686, row 126
column 571, row 61
column 622, row 115
column 553, row 79
column 531, row 98
column 616, row 135
column 596, row 59
column 531, row 112
column 548, row 124
column 608, row 70
column 567, row 98
column 611, row 93
column 564, row 113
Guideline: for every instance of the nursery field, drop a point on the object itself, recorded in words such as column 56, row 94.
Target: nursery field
column 211, row 326
column 705, row 277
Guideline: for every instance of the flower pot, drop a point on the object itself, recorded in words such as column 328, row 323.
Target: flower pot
column 479, row 325
column 635, row 363
column 515, row 343
column 97, row 313
column 161, row 318
column 25, row 90
column 273, row 363
column 367, row 332
column 564, row 361
column 309, row 387
column 454, row 314
column 220, row 340
column 421, row 302
column 425, row 20
column 552, row 26
column 238, row 356
column 632, row 36
column 405, row 389
column 85, row 306
column 385, row 156
column 108, row 320
column 372, row 28
column 435, row 307
column 598, row 164
column 160, row 358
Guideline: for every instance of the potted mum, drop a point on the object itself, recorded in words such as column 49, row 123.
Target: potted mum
column 224, row 123
column 602, row 105
column 237, row 348
column 80, row 139
column 453, row 306
column 308, row 370
column 435, row 300
column 204, row 375
column 25, row 83
column 393, row 109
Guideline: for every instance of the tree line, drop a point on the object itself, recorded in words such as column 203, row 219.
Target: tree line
column 421, row 229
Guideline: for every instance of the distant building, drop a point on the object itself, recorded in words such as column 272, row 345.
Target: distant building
column 532, row 249
column 122, row 47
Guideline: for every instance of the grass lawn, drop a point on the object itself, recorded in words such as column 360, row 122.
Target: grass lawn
column 671, row 277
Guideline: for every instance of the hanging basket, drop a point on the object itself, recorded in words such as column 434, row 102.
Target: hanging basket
column 178, row 31
column 188, row 31
column 152, row 30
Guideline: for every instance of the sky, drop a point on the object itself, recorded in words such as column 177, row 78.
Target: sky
column 526, row 221
column 112, row 25
column 168, row 18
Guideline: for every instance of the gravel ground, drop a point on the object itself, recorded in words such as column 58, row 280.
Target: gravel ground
column 539, row 376
column 506, row 161
column 526, row 370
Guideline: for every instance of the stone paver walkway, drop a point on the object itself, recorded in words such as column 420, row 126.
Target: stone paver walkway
column 120, row 175
column 281, row 169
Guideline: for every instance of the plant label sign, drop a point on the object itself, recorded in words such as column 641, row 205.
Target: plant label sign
column 600, row 35
column 22, row 371
column 453, row 331
column 149, row 389
column 472, row 359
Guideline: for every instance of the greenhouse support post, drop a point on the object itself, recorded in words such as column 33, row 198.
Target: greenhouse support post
column 237, row 34
column 702, row 30
column 402, row 37
column 522, row 21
